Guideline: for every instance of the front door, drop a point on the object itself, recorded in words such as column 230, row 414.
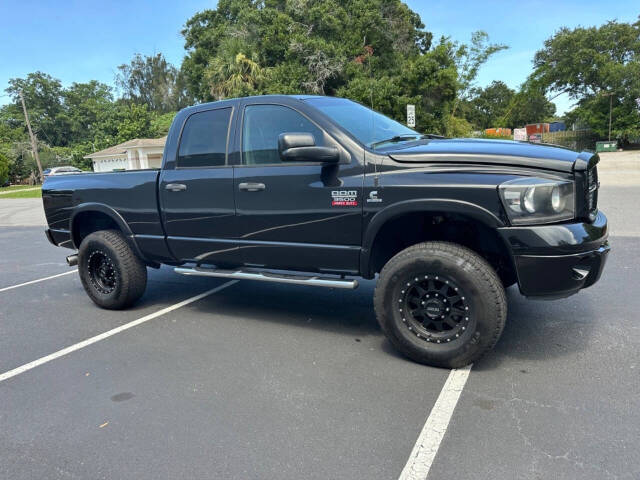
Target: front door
column 197, row 195
column 302, row 216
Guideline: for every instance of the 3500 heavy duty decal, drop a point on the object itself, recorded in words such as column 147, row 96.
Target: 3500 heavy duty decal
column 344, row 198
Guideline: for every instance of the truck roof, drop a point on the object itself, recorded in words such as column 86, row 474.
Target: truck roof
column 204, row 106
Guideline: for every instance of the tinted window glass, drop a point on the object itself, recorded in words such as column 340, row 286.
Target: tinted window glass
column 204, row 139
column 263, row 124
column 368, row 126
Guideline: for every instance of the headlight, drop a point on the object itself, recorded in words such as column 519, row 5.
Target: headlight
column 538, row 200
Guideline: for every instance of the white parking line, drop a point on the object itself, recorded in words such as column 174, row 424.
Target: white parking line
column 37, row 281
column 428, row 443
column 65, row 351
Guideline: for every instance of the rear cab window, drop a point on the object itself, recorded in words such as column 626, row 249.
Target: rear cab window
column 203, row 142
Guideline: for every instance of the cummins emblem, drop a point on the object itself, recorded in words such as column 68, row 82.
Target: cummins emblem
column 344, row 198
column 373, row 197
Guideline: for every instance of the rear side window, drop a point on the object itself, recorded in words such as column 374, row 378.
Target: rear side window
column 261, row 127
column 204, row 139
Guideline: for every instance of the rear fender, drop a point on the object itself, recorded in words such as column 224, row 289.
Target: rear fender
column 113, row 215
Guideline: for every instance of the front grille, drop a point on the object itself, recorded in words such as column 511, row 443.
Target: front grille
column 592, row 192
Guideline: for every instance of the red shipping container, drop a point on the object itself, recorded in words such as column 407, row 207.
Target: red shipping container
column 537, row 128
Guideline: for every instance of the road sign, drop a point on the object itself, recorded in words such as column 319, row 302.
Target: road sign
column 411, row 116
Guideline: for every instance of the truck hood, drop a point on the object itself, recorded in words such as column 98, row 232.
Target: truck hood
column 499, row 152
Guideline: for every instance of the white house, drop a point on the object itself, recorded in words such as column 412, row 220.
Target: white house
column 136, row 154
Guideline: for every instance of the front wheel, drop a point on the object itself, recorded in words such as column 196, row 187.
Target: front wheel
column 440, row 304
column 111, row 273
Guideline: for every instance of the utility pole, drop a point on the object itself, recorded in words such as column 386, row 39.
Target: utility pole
column 34, row 144
column 610, row 105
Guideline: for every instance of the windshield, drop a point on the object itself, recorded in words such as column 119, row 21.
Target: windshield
column 370, row 127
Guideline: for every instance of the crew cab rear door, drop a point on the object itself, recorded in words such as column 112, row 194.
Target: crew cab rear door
column 196, row 190
column 304, row 216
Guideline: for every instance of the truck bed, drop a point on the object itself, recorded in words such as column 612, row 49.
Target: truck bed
column 131, row 194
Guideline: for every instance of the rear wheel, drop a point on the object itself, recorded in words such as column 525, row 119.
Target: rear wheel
column 111, row 273
column 440, row 304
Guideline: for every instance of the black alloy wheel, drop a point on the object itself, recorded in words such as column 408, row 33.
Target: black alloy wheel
column 102, row 272
column 434, row 308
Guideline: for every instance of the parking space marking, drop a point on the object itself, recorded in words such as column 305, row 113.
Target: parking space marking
column 37, row 281
column 85, row 343
column 428, row 443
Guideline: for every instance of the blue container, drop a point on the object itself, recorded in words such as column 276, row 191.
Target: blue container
column 557, row 127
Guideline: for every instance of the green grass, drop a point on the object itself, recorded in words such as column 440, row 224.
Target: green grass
column 17, row 187
column 16, row 191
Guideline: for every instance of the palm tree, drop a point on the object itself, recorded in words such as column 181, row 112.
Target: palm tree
column 233, row 77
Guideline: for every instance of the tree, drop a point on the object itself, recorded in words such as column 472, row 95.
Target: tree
column 133, row 121
column 311, row 41
column 153, row 81
column 427, row 80
column 374, row 51
column 160, row 124
column 469, row 58
column 529, row 105
column 43, row 97
column 598, row 67
column 85, row 107
column 237, row 77
column 4, row 168
column 487, row 106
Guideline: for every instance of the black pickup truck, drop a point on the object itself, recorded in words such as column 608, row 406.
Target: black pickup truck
column 319, row 191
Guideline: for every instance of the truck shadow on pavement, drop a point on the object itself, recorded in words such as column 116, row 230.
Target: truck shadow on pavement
column 535, row 330
column 349, row 312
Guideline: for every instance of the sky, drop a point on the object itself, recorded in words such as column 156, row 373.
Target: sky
column 78, row 41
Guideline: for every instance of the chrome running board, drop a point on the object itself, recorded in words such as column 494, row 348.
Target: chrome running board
column 240, row 274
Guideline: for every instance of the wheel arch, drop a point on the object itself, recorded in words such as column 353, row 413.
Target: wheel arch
column 448, row 213
column 92, row 217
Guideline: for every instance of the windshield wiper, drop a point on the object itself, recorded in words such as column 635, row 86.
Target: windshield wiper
column 402, row 138
column 397, row 138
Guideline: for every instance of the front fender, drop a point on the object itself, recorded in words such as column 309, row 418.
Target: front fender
column 395, row 210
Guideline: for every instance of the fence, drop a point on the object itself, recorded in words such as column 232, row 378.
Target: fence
column 574, row 139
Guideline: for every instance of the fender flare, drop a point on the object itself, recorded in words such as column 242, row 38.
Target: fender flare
column 381, row 217
column 113, row 215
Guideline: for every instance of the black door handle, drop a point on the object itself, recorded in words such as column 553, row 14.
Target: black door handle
column 175, row 187
column 251, row 186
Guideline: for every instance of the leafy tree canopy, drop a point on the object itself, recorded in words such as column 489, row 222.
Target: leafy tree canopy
column 315, row 39
column 373, row 51
column 151, row 80
column 4, row 168
column 591, row 65
column 528, row 105
column 488, row 106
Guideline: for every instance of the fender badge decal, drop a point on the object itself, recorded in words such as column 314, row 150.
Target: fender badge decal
column 344, row 198
column 373, row 197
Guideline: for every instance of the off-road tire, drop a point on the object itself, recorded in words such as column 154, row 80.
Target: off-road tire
column 112, row 274
column 475, row 288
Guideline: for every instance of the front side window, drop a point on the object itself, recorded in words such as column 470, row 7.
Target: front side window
column 263, row 124
column 204, row 139
column 370, row 127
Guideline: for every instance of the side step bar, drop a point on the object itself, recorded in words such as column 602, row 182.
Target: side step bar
column 239, row 274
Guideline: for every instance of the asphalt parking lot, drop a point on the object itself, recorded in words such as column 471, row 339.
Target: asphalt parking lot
column 265, row 381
